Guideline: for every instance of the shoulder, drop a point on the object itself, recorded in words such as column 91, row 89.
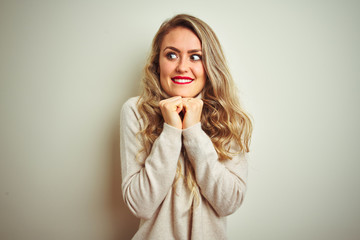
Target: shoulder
column 130, row 105
column 131, row 102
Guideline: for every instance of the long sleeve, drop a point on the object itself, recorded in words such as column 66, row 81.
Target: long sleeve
column 223, row 184
column 146, row 180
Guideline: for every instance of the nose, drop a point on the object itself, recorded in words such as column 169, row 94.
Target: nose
column 182, row 65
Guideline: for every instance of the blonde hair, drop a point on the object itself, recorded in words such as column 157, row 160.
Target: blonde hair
column 223, row 119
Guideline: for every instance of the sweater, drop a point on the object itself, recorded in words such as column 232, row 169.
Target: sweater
column 165, row 206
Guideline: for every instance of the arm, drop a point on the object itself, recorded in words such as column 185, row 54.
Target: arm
column 223, row 184
column 146, row 185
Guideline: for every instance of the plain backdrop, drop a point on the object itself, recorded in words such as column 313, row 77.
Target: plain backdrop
column 66, row 68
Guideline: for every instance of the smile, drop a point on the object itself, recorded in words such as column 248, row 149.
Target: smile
column 182, row 80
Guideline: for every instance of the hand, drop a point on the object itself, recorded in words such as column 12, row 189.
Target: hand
column 192, row 108
column 170, row 109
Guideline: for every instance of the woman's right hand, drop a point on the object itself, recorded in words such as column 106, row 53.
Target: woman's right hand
column 170, row 109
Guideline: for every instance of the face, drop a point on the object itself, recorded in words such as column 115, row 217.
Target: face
column 182, row 72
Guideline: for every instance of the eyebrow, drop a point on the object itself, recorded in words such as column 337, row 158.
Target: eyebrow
column 177, row 50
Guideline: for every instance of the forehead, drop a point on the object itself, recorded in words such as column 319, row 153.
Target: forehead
column 181, row 38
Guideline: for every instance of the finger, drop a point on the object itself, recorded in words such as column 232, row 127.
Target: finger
column 177, row 105
column 187, row 99
column 171, row 104
column 169, row 100
column 187, row 102
column 172, row 99
column 179, row 108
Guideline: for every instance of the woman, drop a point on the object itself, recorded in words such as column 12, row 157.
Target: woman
column 184, row 139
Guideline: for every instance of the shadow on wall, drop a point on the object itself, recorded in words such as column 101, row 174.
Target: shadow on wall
column 126, row 224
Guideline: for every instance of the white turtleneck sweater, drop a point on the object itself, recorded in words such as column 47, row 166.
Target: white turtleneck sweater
column 165, row 207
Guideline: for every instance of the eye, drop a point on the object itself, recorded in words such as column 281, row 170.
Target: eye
column 195, row 57
column 171, row 55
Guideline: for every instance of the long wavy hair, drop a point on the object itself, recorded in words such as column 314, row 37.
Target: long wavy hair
column 223, row 118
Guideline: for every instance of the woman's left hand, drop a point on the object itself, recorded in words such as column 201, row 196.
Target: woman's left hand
column 192, row 111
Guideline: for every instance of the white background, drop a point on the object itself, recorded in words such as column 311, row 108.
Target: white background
column 66, row 68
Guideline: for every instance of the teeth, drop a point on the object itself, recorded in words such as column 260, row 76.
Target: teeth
column 182, row 80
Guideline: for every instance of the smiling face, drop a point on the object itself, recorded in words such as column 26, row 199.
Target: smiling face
column 182, row 72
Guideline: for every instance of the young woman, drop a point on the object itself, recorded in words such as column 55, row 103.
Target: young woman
column 184, row 139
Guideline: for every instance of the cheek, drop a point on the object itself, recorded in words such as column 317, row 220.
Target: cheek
column 200, row 71
column 164, row 73
column 165, row 68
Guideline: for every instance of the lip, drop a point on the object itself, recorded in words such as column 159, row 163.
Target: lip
column 182, row 80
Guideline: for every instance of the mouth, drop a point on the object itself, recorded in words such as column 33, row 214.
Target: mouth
column 182, row 80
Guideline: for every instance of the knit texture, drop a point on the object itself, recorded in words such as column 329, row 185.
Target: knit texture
column 165, row 207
